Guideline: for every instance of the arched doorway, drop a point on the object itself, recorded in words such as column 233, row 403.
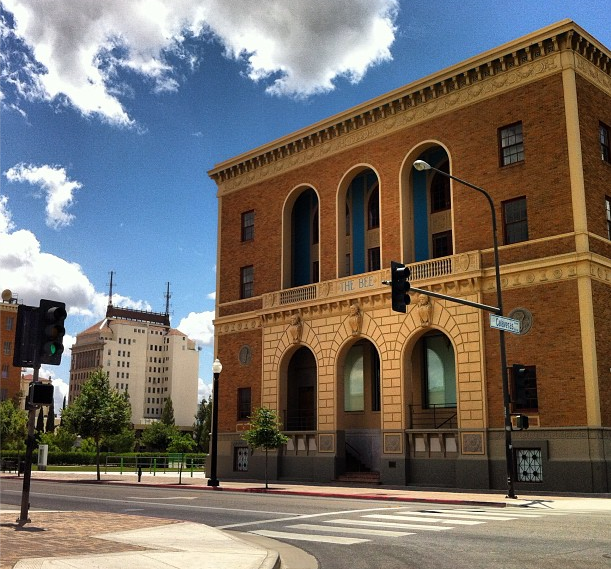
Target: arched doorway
column 300, row 390
column 359, row 405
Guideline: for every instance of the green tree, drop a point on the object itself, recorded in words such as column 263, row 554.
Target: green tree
column 182, row 442
column 97, row 412
column 50, row 425
column 201, row 427
column 61, row 439
column 40, row 422
column 167, row 413
column 265, row 432
column 158, row 436
column 121, row 442
column 13, row 426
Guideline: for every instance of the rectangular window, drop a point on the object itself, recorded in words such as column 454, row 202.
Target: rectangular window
column 524, row 388
column 240, row 459
column 247, row 281
column 4, row 371
column 7, row 348
column 248, row 225
column 511, row 142
column 373, row 259
column 243, row 403
column 605, row 143
column 515, row 221
column 347, row 264
column 442, row 244
column 9, row 322
column 608, row 210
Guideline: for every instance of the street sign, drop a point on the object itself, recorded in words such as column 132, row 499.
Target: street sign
column 504, row 323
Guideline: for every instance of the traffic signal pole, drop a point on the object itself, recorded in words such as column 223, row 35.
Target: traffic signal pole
column 38, row 340
column 29, row 451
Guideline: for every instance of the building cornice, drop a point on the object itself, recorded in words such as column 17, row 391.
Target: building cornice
column 521, row 61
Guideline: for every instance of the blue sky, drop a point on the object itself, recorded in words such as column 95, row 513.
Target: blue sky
column 112, row 113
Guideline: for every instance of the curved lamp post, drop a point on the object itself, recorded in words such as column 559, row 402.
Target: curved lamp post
column 421, row 165
column 217, row 367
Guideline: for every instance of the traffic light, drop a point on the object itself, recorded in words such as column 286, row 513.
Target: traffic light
column 399, row 274
column 522, row 422
column 40, row 393
column 52, row 316
column 524, row 387
column 26, row 336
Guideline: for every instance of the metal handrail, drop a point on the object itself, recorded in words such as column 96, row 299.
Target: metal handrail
column 433, row 416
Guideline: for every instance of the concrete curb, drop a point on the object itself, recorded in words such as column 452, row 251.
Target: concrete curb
column 320, row 494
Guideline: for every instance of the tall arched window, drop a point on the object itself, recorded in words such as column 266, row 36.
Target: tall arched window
column 359, row 240
column 438, row 371
column 304, row 237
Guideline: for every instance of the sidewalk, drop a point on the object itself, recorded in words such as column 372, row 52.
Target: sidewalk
column 83, row 540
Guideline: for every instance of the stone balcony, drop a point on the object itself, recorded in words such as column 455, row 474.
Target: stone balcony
column 434, row 273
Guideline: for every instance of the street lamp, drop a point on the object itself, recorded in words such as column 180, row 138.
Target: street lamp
column 216, row 371
column 421, row 165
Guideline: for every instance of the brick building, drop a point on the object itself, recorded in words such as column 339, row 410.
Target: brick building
column 308, row 226
column 10, row 376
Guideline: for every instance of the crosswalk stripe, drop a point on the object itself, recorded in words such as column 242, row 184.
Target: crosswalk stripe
column 512, row 511
column 304, row 537
column 467, row 516
column 428, row 520
column 356, row 531
column 388, row 524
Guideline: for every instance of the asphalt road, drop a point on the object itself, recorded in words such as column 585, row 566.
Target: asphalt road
column 359, row 534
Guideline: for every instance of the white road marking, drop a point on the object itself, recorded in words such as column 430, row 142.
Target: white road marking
column 388, row 524
column 467, row 516
column 315, row 538
column 399, row 517
column 356, row 531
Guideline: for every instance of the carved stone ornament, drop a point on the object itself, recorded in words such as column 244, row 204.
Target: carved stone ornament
column 355, row 319
column 425, row 310
column 525, row 317
column 245, row 355
column 295, row 328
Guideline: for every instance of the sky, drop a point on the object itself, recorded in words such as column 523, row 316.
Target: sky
column 112, row 112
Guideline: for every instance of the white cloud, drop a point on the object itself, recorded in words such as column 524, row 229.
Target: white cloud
column 79, row 47
column 211, row 295
column 204, row 390
column 58, row 188
column 198, row 326
column 6, row 223
column 32, row 274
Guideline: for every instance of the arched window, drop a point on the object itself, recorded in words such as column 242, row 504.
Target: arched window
column 438, row 371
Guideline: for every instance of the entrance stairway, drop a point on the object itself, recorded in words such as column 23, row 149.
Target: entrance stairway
column 360, row 477
column 356, row 470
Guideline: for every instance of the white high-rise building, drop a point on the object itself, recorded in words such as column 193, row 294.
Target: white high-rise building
column 143, row 356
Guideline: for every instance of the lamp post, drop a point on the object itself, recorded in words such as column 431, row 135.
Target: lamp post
column 421, row 165
column 216, row 371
